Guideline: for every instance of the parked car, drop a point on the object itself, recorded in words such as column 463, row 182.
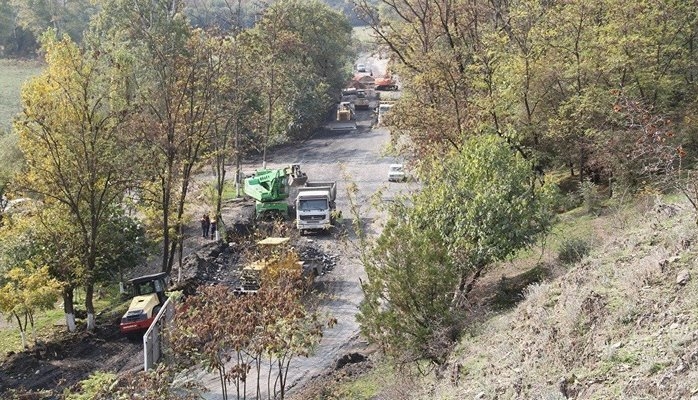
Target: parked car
column 360, row 68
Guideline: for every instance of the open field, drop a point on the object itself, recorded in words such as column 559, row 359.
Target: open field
column 13, row 73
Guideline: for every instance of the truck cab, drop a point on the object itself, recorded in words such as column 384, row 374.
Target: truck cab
column 315, row 206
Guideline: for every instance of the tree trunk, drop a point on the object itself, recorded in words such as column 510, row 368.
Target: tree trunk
column 465, row 286
column 22, row 330
column 68, row 308
column 89, row 305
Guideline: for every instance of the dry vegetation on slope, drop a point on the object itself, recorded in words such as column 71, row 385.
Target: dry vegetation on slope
column 620, row 323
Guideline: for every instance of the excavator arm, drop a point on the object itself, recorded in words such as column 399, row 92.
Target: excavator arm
column 270, row 187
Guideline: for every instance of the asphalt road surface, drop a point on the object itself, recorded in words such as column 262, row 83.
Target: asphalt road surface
column 353, row 157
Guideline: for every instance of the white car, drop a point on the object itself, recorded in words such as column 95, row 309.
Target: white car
column 360, row 68
column 396, row 173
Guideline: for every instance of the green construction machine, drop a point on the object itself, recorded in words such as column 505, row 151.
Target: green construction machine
column 271, row 187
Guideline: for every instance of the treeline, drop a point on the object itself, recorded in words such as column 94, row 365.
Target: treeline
column 113, row 130
column 605, row 90
column 22, row 22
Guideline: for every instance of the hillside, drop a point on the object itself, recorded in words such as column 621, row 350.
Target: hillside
column 620, row 323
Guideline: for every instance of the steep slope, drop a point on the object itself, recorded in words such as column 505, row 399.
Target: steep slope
column 621, row 323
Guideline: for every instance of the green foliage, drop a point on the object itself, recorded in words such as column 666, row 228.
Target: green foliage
column 478, row 206
column 94, row 387
column 155, row 384
column 591, row 198
column 78, row 164
column 600, row 87
column 573, row 250
column 27, row 289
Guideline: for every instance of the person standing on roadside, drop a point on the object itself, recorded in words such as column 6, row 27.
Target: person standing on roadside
column 205, row 225
column 213, row 227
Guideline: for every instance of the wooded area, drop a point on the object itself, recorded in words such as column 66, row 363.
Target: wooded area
column 116, row 125
column 496, row 96
column 605, row 90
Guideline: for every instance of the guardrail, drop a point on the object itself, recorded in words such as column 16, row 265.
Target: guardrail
column 153, row 340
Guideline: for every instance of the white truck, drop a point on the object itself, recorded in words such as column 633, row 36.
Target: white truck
column 315, row 206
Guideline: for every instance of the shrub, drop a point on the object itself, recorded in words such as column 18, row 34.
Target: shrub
column 573, row 250
column 590, row 195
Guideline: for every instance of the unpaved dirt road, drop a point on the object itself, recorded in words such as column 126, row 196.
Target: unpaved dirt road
column 354, row 157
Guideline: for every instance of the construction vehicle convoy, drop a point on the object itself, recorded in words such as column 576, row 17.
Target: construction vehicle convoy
column 315, row 206
column 271, row 187
column 148, row 294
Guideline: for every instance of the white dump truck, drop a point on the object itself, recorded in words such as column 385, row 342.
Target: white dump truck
column 315, row 206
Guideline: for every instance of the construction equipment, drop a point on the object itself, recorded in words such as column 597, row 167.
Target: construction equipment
column 345, row 111
column 270, row 188
column 362, row 101
column 275, row 255
column 386, row 83
column 148, row 294
column 315, row 206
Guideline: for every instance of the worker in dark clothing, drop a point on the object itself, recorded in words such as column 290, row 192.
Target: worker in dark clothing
column 205, row 225
column 213, row 227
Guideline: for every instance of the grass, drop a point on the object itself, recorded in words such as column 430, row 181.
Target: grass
column 13, row 73
column 383, row 379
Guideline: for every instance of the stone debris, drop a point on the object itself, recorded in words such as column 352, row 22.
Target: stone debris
column 683, row 277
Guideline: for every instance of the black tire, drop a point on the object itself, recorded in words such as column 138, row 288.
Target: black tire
column 156, row 310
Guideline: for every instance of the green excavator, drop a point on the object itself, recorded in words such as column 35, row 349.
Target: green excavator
column 271, row 187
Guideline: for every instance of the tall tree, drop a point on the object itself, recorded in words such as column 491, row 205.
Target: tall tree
column 69, row 134
column 64, row 17
column 171, row 71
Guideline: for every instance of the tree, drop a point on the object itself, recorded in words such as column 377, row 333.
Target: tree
column 27, row 289
column 169, row 78
column 69, row 134
column 482, row 205
column 234, row 335
column 303, row 50
column 64, row 17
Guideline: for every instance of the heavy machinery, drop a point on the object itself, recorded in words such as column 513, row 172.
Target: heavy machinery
column 270, row 188
column 275, row 255
column 362, row 102
column 386, row 83
column 148, row 294
column 345, row 111
column 315, row 206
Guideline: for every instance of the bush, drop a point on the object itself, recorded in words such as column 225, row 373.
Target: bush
column 590, row 195
column 573, row 250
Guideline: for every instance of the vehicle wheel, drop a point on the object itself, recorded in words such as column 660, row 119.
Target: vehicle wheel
column 156, row 310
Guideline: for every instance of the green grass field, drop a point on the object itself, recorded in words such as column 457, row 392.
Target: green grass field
column 13, row 73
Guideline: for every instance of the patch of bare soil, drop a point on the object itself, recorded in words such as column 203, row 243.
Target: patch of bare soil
column 350, row 367
column 64, row 361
